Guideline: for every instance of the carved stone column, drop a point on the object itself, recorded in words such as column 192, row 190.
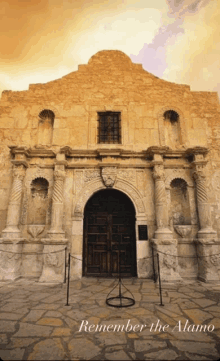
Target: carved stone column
column 206, row 230
column 56, row 230
column 14, row 207
column 161, row 203
column 164, row 243
column 54, row 244
column 207, row 246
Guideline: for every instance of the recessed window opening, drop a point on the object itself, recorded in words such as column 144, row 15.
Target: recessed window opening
column 109, row 127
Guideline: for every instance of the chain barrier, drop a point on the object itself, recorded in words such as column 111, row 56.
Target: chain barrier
column 197, row 256
column 32, row 253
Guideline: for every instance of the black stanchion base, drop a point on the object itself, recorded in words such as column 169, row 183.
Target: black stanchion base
column 128, row 302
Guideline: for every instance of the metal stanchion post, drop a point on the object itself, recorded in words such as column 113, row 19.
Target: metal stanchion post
column 153, row 265
column 158, row 262
column 65, row 264
column 68, row 282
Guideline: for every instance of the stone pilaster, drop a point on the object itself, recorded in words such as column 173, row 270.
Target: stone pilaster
column 56, row 230
column 14, row 207
column 164, row 243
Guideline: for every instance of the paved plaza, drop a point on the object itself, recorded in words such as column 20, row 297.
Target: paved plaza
column 35, row 324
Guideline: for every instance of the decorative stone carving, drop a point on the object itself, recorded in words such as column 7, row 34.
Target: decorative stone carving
column 10, row 263
column 133, row 193
column 208, row 260
column 109, row 176
column 78, row 180
column 158, row 172
column 127, row 174
column 91, row 174
column 183, row 230
column 161, row 203
column 120, row 185
column 184, row 174
column 53, row 262
column 206, row 230
column 35, row 230
column 56, row 231
column 13, row 215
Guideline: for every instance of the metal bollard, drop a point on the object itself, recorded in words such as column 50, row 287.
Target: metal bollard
column 158, row 262
column 153, row 265
column 68, row 282
column 65, row 253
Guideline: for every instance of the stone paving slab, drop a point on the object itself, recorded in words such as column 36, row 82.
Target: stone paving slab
column 36, row 324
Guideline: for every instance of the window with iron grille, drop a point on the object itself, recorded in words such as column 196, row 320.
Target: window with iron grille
column 109, row 127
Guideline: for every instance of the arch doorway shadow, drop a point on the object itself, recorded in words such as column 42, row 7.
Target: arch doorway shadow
column 109, row 239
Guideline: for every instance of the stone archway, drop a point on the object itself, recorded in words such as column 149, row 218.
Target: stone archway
column 78, row 216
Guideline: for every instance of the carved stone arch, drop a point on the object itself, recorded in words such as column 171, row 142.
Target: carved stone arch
column 182, row 123
column 179, row 174
column 96, row 185
column 39, row 173
column 39, row 109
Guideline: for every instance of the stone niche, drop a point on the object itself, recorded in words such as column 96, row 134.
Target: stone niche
column 35, row 221
column 180, row 216
column 172, row 130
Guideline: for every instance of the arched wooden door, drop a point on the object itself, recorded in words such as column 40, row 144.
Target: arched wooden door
column 109, row 230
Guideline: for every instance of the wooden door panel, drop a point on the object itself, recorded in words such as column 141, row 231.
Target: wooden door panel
column 109, row 231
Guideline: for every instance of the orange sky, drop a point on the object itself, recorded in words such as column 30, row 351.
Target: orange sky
column 177, row 40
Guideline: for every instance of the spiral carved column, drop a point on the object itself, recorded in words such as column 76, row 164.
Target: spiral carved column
column 206, row 242
column 13, row 215
column 56, row 230
column 164, row 241
column 203, row 205
column 53, row 263
column 161, row 203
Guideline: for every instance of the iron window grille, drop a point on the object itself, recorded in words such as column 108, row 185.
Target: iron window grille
column 109, row 127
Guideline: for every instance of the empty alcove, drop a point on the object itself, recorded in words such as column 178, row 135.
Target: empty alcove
column 45, row 127
column 38, row 202
column 172, row 129
column 180, row 206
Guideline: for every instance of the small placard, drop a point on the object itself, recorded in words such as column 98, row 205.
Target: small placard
column 142, row 233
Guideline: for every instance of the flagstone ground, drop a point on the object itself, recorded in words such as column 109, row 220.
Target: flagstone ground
column 36, row 324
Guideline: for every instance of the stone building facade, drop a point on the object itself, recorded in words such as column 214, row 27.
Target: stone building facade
column 110, row 162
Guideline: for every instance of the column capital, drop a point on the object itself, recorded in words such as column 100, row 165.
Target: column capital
column 158, row 172
column 19, row 171
column 59, row 174
column 199, row 174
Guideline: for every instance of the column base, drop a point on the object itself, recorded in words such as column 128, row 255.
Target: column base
column 208, row 260
column 163, row 233
column 10, row 263
column 56, row 235
column 167, row 251
column 53, row 261
column 11, row 232
column 207, row 233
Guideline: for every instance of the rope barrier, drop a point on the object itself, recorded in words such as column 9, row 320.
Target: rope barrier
column 33, row 253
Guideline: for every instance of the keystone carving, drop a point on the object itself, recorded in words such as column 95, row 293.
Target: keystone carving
column 109, row 175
